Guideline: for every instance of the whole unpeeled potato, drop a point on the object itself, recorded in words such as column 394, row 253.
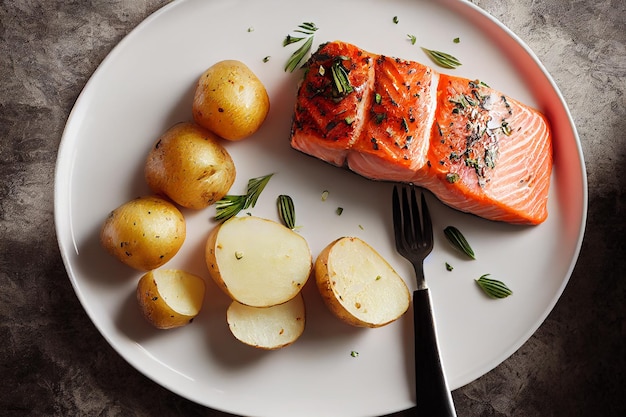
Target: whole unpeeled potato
column 189, row 165
column 144, row 233
column 230, row 100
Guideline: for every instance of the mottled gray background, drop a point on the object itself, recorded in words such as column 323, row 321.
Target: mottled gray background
column 53, row 362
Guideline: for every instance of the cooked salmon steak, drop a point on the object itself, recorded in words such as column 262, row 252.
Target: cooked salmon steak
column 476, row 149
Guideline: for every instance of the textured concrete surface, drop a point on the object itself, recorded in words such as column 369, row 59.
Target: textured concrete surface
column 53, row 362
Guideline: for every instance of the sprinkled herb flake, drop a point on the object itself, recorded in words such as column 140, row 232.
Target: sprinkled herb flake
column 354, row 353
column 339, row 211
column 456, row 40
column 396, row 20
column 286, row 211
column 266, row 59
column 412, row 38
column 449, row 267
column 325, row 195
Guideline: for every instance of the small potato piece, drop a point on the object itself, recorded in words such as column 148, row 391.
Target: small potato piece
column 170, row 298
column 230, row 100
column 267, row 327
column 144, row 233
column 258, row 262
column 358, row 285
column 189, row 165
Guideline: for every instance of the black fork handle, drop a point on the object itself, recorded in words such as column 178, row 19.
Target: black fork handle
column 433, row 395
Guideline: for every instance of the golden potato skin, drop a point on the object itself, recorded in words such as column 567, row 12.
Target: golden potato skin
column 189, row 165
column 144, row 233
column 230, row 100
column 154, row 308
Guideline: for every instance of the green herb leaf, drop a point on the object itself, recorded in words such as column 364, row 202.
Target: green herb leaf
column 325, row 195
column 449, row 267
column 493, row 288
column 341, row 82
column 456, row 40
column 412, row 38
column 354, row 353
column 395, row 20
column 286, row 211
column 339, row 211
column 306, row 28
column 456, row 238
column 442, row 59
column 230, row 205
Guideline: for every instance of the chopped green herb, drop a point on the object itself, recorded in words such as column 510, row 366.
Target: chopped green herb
column 324, row 195
column 339, row 211
column 250, row 29
column 493, row 288
column 456, row 239
column 378, row 277
column 267, row 58
column 456, row 40
column 442, row 59
column 377, row 98
column 354, row 353
column 286, row 211
column 395, row 20
column 452, row 177
column 412, row 38
column 341, row 82
column 349, row 120
column 308, row 29
column 238, row 255
column 230, row 205
column 449, row 267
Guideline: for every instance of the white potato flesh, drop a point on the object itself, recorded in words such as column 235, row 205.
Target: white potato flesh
column 267, row 327
column 259, row 262
column 170, row 298
column 182, row 291
column 359, row 285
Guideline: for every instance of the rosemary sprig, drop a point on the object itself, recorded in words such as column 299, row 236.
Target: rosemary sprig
column 442, row 59
column 493, row 288
column 308, row 29
column 286, row 210
column 456, row 238
column 230, row 205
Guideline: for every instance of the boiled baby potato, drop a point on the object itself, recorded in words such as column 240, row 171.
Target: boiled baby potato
column 267, row 327
column 258, row 262
column 358, row 285
column 190, row 166
column 230, row 100
column 170, row 298
column 144, row 233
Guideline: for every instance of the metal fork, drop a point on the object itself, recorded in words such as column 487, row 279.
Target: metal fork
column 413, row 231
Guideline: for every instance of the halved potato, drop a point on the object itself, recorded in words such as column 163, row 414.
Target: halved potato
column 144, row 233
column 358, row 285
column 267, row 327
column 258, row 262
column 170, row 298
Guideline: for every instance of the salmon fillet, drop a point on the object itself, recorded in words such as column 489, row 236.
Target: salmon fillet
column 474, row 148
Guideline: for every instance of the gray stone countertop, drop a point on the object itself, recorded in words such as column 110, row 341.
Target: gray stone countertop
column 54, row 362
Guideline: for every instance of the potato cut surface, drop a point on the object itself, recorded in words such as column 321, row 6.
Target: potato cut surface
column 258, row 262
column 170, row 298
column 267, row 327
column 358, row 285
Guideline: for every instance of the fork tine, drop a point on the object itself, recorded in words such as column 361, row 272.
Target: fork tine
column 397, row 219
column 427, row 223
column 416, row 217
column 407, row 220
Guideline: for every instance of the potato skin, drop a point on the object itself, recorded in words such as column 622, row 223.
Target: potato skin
column 189, row 165
column 230, row 100
column 144, row 233
column 154, row 308
column 335, row 301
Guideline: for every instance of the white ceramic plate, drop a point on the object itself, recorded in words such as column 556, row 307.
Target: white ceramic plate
column 146, row 84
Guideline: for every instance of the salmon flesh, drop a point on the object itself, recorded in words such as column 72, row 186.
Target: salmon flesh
column 388, row 119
